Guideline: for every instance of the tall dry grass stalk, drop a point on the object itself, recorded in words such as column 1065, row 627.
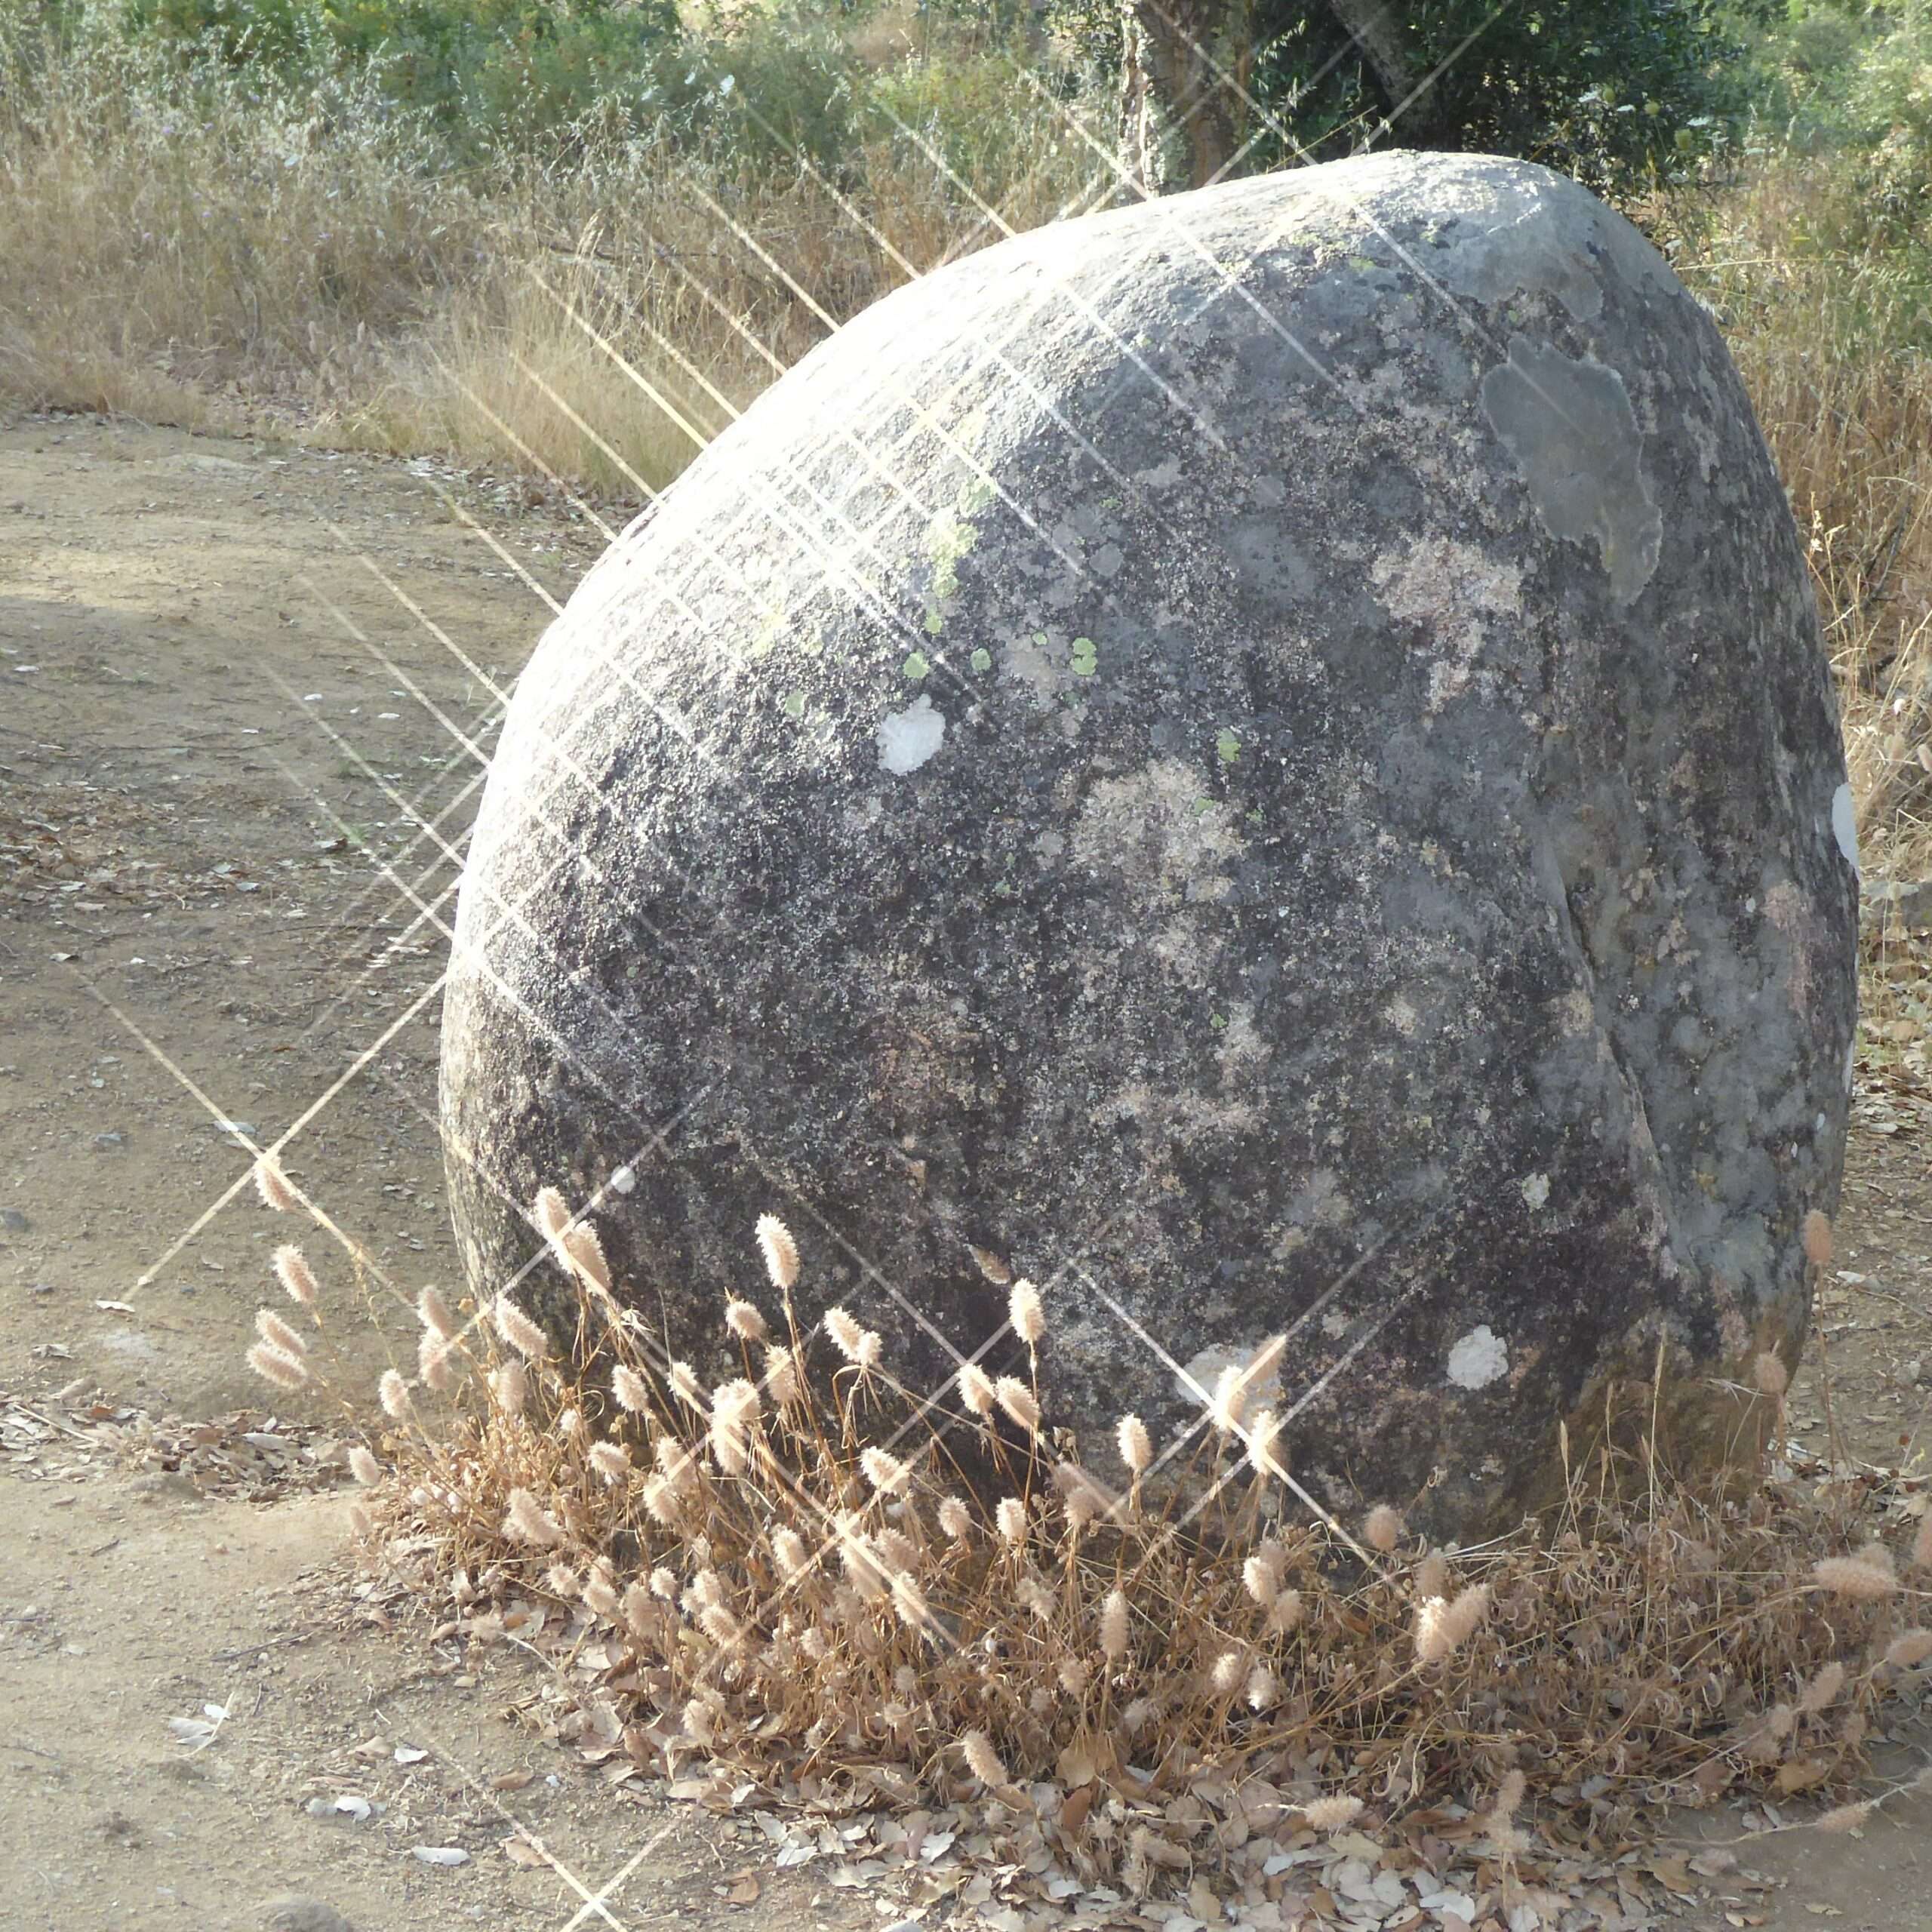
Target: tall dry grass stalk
column 810, row 1579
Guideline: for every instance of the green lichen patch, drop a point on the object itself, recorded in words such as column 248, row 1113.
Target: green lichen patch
column 949, row 536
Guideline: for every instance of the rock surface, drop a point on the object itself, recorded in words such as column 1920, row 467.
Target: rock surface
column 1265, row 759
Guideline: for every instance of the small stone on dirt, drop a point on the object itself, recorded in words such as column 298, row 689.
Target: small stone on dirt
column 293, row 1913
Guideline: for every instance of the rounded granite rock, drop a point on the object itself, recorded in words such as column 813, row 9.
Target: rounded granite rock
column 1264, row 759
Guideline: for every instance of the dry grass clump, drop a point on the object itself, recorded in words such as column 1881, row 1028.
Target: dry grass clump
column 202, row 251
column 1829, row 333
column 812, row 1578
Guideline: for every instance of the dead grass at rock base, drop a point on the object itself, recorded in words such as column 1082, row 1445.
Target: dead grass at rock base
column 1115, row 1694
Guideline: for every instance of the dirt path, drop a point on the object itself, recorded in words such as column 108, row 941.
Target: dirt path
column 233, row 679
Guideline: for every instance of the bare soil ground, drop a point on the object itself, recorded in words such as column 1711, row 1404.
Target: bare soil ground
column 235, row 678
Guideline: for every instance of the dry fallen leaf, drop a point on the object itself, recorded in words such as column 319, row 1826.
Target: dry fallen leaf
column 440, row 1854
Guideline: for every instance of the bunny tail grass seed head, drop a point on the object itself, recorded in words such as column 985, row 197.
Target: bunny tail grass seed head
column 1262, row 1364
column 884, row 1472
column 432, row 1362
column 1010, row 1517
column 1229, row 1401
column 1771, row 1375
column 1259, row 1580
column 553, row 1214
column 1817, row 1235
column 1442, row 1629
column 278, row 1333
column 790, row 1549
column 1028, row 1317
column 782, row 1383
column 628, row 1390
column 846, row 1335
column 292, row 1270
column 1909, row 1647
column 1284, row 1614
column 518, row 1330
column 1020, row 1402
column 585, row 1253
column 1869, row 1576
column 780, row 1252
column 272, row 1184
column 909, row 1602
column 1264, row 1434
column 982, row 1760
column 1136, row 1447
column 1922, row 1543
column 1382, row 1529
column 744, row 1321
column 434, row 1314
column 276, row 1365
column 393, row 1393
column 955, row 1520
column 611, row 1460
column 1226, row 1675
column 1845, row 1817
column 364, row 1467
column 526, row 1521
column 1264, row 1691
column 1822, row 1692
column 508, row 1386
column 1331, row 1814
column 1114, row 1629
column 977, row 1390
column 685, row 1385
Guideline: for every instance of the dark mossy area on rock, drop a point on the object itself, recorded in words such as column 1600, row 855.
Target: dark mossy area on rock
column 1265, row 759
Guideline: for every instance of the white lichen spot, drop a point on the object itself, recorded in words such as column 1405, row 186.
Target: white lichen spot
column 1844, row 825
column 1335, row 1324
column 1536, row 1190
column 907, row 738
column 1576, row 1012
column 1451, row 591
column 1263, row 1392
column 623, row 1180
column 1479, row 1358
column 1155, row 828
column 1401, row 1016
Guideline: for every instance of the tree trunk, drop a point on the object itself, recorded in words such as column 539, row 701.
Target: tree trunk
column 1138, row 162
column 1375, row 27
column 1187, row 73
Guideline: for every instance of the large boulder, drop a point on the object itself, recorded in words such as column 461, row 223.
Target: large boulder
column 1264, row 759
